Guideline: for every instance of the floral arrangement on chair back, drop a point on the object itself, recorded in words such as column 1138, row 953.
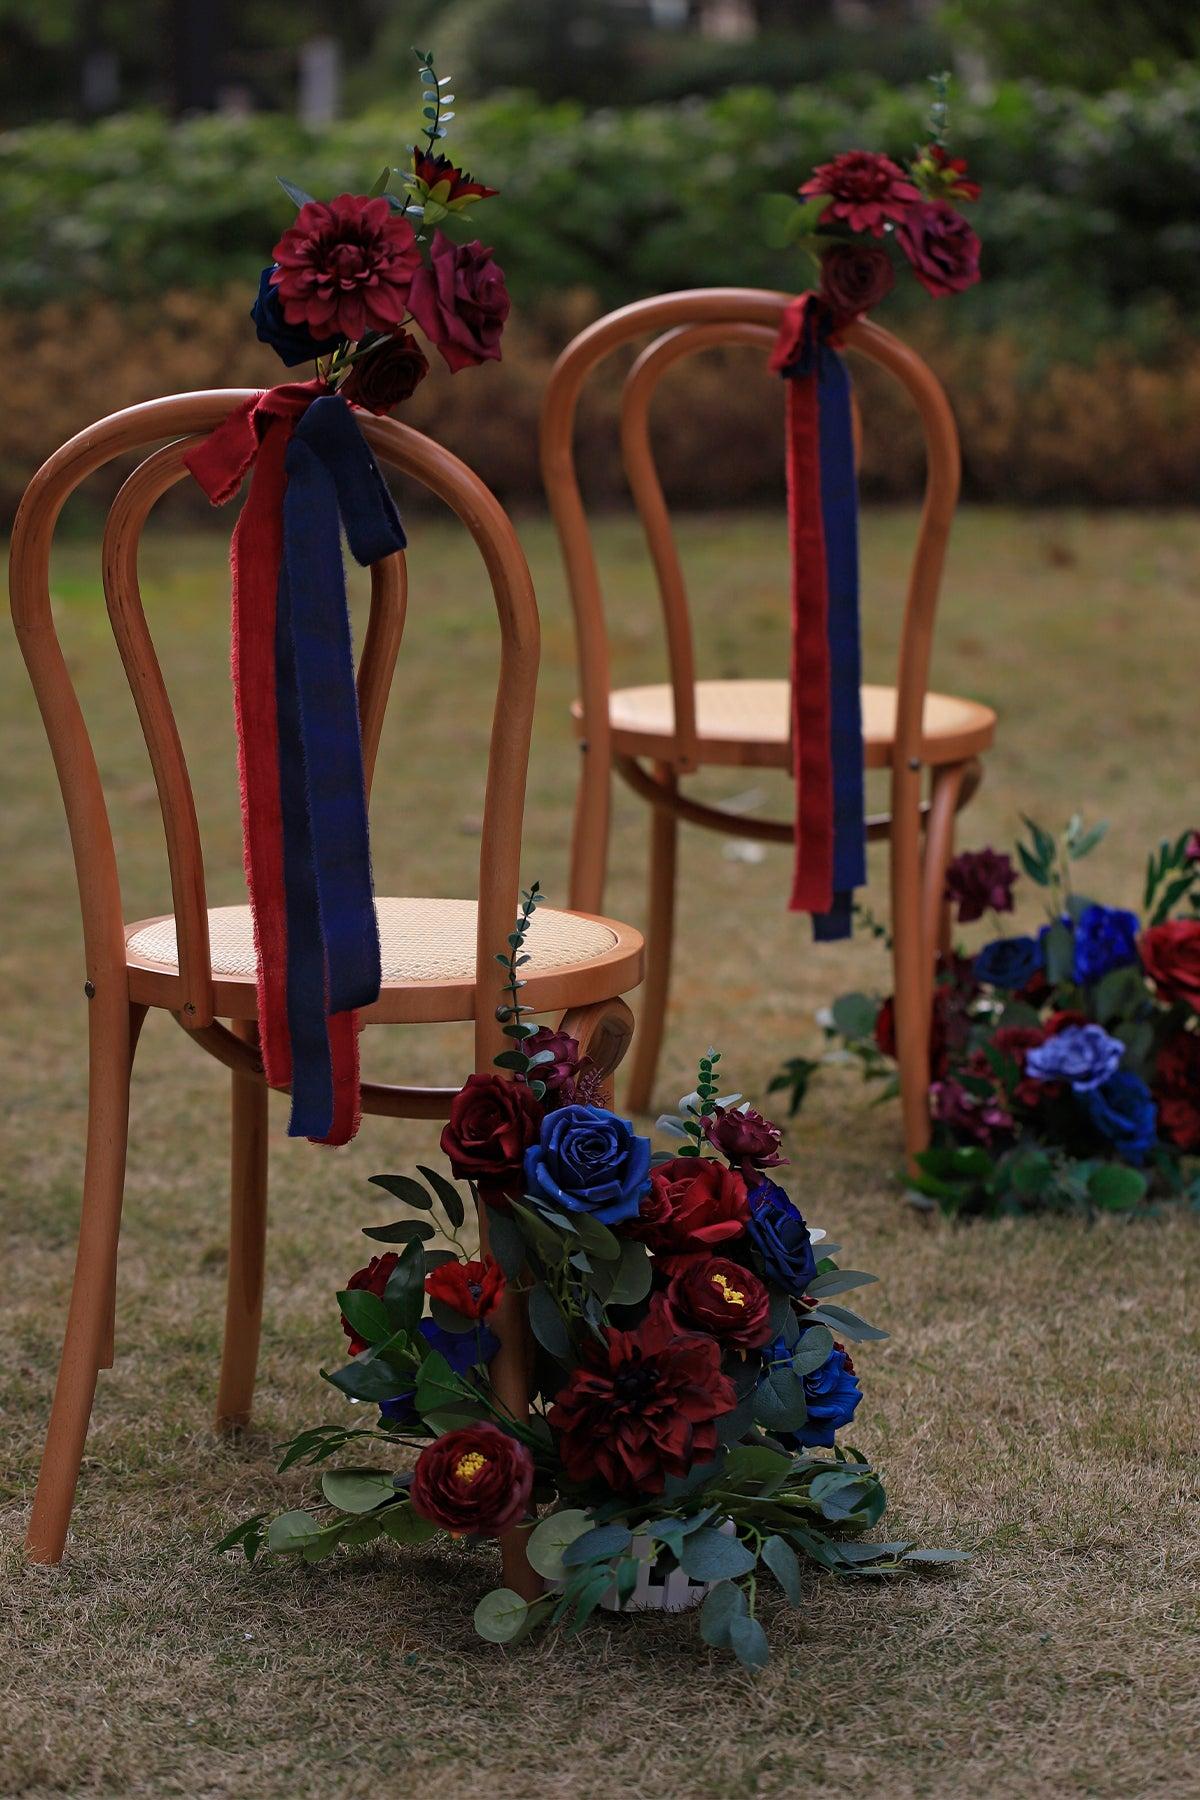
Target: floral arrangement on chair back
column 1065, row 1065
column 688, row 1382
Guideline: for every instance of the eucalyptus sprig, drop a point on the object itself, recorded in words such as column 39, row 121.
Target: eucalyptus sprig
column 1172, row 878
column 511, row 1012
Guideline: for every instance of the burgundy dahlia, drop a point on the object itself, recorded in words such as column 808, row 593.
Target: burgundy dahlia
column 724, row 1299
column 477, row 1480
column 867, row 188
column 980, row 881
column 346, row 267
column 460, row 302
column 942, row 248
column 641, row 1406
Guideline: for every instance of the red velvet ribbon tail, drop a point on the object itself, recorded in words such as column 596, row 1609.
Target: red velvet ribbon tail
column 812, row 878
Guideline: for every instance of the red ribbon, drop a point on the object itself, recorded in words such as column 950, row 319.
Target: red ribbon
column 256, row 434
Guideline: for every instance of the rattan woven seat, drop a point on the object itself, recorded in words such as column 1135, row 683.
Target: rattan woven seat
column 427, row 950
column 746, row 723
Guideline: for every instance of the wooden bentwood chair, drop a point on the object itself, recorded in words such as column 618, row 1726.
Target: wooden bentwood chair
column 438, row 955
column 681, row 725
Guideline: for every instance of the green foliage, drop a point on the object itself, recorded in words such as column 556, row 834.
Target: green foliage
column 1092, row 46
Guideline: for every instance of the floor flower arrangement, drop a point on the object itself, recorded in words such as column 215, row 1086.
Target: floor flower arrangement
column 689, row 1371
column 1065, row 1063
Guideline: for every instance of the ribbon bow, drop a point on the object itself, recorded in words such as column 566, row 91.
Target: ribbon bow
column 826, row 660
column 304, row 812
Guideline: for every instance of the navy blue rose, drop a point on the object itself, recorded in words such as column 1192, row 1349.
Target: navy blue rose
column 1124, row 1113
column 1009, row 962
column 831, row 1394
column 1084, row 1055
column 291, row 343
column 461, row 1349
column 779, row 1235
column 1105, row 938
column 589, row 1161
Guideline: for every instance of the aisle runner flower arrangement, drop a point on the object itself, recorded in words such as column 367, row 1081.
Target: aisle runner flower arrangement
column 856, row 217
column 1065, row 1064
column 690, row 1370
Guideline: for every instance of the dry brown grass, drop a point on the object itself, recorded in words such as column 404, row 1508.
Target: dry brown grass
column 1035, row 1403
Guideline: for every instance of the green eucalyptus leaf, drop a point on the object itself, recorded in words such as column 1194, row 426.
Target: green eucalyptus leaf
column 290, row 1532
column 784, row 1564
column 722, row 1607
column 748, row 1641
column 404, row 1525
column 365, row 1314
column 546, row 1323
column 404, row 1231
column 500, row 1616
column 712, row 1555
column 601, row 1541
column 1114, row 1187
column 551, row 1536
column 505, row 1242
column 357, row 1490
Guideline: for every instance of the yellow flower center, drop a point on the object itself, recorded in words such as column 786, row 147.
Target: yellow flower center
column 732, row 1296
column 469, row 1466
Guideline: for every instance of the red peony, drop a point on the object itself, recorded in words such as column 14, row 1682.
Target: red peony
column 641, row 1406
column 693, row 1204
column 374, row 1278
column 1177, row 1089
column 722, row 1298
column 854, row 278
column 477, row 1480
column 867, row 190
column 346, row 267
column 460, row 302
column 491, row 1125
column 1170, row 955
column 473, row 1289
column 387, row 374
column 942, row 248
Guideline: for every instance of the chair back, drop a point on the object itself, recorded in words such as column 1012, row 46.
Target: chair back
column 185, row 419
column 686, row 323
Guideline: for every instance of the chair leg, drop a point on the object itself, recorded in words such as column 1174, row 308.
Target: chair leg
column 944, row 802
column 911, row 967
column 247, row 1242
column 589, row 836
column 660, row 935
column 603, row 1031
column 86, row 1341
column 137, row 1018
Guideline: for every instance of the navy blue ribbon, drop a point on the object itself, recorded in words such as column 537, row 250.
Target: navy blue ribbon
column 333, row 961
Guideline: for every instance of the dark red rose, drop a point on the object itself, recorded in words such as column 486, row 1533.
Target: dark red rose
column 1170, row 955
column 743, row 1136
column 1177, row 1089
column 473, row 1289
column 867, row 190
column 477, row 1480
column 492, row 1123
column 641, row 1406
column 980, row 881
column 694, row 1203
column 460, row 302
column 942, row 248
column 1063, row 1021
column 854, row 278
column 448, row 186
column 387, row 375
column 560, row 1077
column 722, row 1298
column 374, row 1278
column 346, row 266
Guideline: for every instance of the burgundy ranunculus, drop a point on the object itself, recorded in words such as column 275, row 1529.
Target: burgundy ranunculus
column 492, row 1123
column 473, row 1289
column 981, row 1120
column 1170, row 955
column 641, row 1406
column 346, row 266
column 744, row 1137
column 980, row 881
column 722, row 1298
column 560, row 1077
column 942, row 248
column 1176, row 1087
column 855, row 277
column 460, row 302
column 387, row 375
column 867, row 190
column 477, row 1480
column 373, row 1279
column 693, row 1204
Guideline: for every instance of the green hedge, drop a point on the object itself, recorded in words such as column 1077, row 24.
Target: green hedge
column 1090, row 216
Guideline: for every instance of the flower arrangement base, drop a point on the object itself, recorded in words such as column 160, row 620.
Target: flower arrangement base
column 659, row 1588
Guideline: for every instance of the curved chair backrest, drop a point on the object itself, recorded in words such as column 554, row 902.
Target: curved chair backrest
column 688, row 322
column 186, row 419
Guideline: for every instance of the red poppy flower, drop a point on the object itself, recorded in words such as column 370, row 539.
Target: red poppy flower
column 867, row 188
column 641, row 1406
column 346, row 267
column 473, row 1289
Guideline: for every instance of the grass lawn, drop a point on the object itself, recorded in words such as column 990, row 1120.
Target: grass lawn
column 1035, row 1402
